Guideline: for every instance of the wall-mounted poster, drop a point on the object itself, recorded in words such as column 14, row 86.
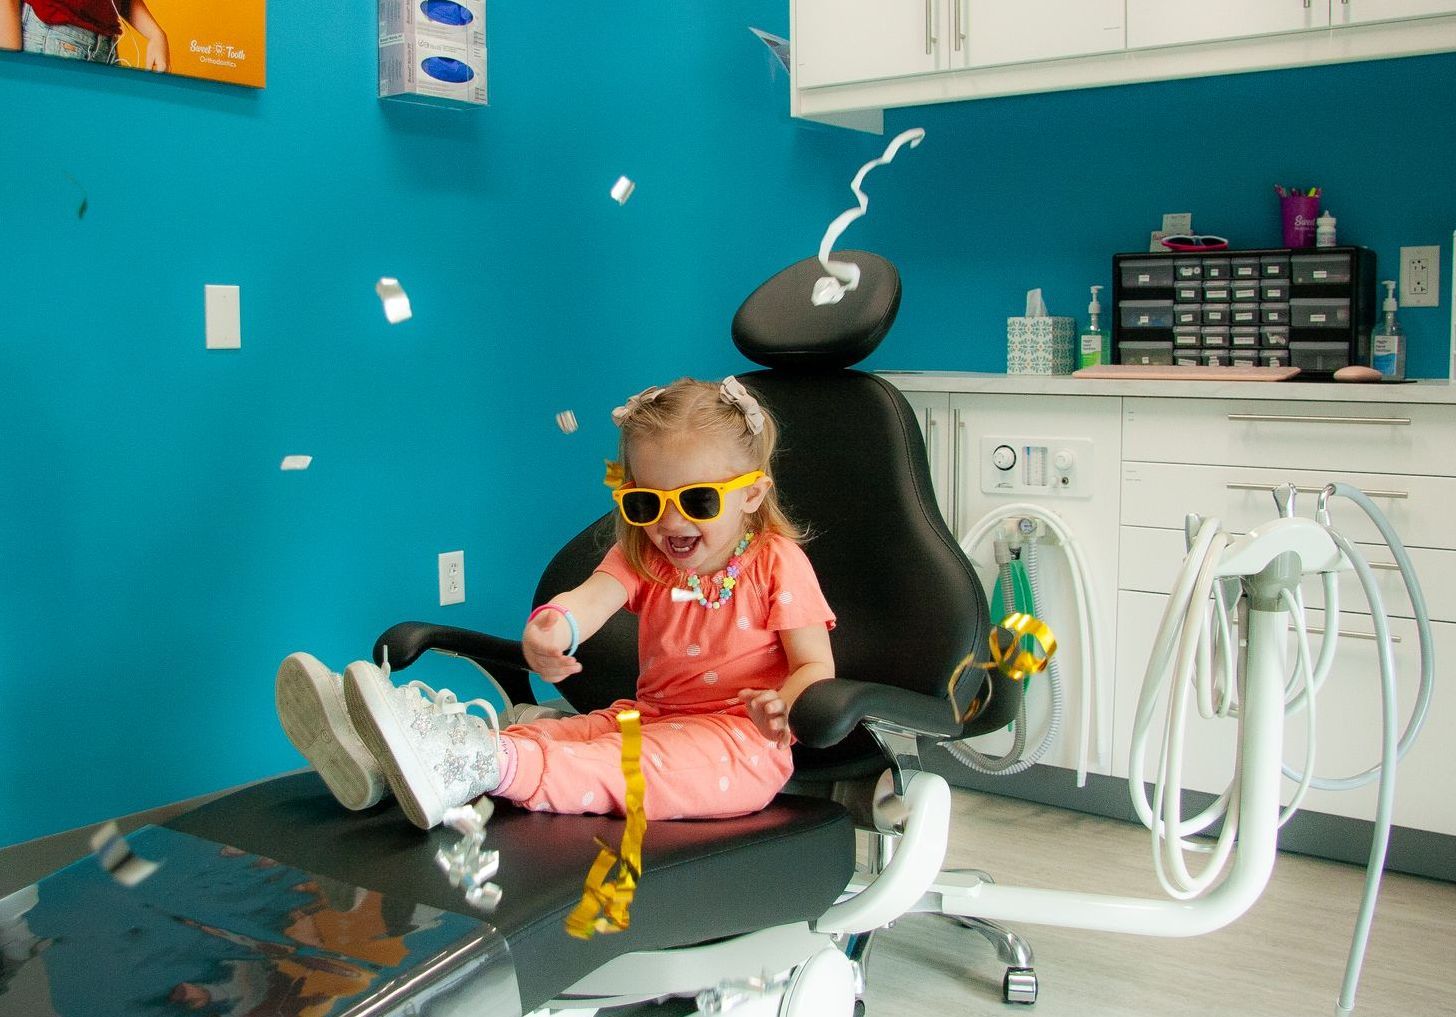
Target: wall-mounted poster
column 221, row 40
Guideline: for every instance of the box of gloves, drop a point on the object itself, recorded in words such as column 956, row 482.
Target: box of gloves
column 432, row 52
column 1039, row 343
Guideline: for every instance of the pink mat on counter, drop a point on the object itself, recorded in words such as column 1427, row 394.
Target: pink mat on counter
column 1170, row 372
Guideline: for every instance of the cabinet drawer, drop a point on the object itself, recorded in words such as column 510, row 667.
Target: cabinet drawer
column 1148, row 562
column 1348, row 715
column 1160, row 495
column 1301, row 435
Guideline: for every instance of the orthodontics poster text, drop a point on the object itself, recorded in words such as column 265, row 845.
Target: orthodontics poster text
column 221, row 40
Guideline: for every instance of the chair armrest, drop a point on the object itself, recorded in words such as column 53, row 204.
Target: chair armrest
column 828, row 711
column 408, row 640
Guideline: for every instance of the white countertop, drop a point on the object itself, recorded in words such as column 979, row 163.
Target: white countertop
column 1421, row 391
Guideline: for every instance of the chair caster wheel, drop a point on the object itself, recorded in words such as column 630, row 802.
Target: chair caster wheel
column 1019, row 986
column 859, row 1008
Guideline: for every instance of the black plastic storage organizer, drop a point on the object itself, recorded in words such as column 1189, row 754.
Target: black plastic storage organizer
column 1312, row 308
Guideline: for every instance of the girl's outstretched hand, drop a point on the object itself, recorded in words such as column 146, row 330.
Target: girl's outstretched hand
column 544, row 642
column 769, row 714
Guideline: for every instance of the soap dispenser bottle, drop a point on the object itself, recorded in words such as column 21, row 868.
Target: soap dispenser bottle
column 1095, row 343
column 1387, row 343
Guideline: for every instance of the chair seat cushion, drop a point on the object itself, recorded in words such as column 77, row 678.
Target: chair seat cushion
column 702, row 880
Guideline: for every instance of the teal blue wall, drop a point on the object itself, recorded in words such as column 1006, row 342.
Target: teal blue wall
column 157, row 565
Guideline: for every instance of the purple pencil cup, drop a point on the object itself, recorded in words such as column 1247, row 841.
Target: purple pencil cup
column 1299, row 212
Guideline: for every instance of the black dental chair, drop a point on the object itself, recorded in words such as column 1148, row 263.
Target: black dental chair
column 721, row 902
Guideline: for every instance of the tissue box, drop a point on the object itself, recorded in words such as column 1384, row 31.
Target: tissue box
column 1040, row 345
column 432, row 52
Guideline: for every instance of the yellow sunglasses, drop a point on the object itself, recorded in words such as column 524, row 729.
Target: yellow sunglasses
column 701, row 502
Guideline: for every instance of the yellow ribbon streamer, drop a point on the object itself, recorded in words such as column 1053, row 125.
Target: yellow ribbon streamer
column 1010, row 660
column 604, row 905
column 615, row 475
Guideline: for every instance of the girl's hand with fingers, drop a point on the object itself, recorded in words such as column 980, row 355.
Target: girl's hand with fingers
column 769, row 713
column 544, row 643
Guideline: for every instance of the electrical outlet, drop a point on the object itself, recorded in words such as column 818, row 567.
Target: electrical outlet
column 452, row 577
column 1420, row 276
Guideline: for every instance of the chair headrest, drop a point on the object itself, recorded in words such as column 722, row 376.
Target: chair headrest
column 779, row 326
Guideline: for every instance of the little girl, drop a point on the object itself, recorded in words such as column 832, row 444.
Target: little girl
column 721, row 662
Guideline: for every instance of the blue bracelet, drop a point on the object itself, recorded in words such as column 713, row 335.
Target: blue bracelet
column 570, row 651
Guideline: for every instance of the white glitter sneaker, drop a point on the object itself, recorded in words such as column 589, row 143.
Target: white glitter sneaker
column 310, row 700
column 434, row 755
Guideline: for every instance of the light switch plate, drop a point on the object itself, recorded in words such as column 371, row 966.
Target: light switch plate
column 224, row 317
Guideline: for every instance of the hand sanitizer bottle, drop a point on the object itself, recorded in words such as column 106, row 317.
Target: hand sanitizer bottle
column 1387, row 343
column 1095, row 343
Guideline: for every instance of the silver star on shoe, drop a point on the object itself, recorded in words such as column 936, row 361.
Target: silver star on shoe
column 452, row 768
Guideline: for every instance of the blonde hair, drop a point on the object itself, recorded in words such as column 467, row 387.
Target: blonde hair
column 696, row 408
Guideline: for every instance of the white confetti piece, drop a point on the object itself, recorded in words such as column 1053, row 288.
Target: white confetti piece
column 396, row 300
column 622, row 190
column 467, row 864
column 777, row 45
column 114, row 855
column 844, row 276
column 682, row 596
column 566, row 420
column 296, row 463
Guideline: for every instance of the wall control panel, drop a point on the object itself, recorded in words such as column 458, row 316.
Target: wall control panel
column 1022, row 465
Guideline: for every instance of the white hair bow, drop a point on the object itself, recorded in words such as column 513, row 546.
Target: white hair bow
column 642, row 398
column 733, row 393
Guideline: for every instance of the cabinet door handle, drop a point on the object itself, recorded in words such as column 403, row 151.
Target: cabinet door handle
column 1385, row 566
column 960, row 34
column 1311, row 419
column 1235, row 485
column 957, row 426
column 1314, row 631
column 929, row 39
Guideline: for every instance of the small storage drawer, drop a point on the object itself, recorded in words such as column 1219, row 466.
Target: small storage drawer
column 1187, row 268
column 1216, row 268
column 1186, row 337
column 1274, row 335
column 1244, row 268
column 1274, row 291
column 1215, row 314
column 1244, row 314
column 1244, row 335
column 1152, row 273
column 1275, row 266
column 1187, row 358
column 1319, row 357
column 1218, row 335
column 1244, row 357
column 1217, row 291
column 1374, row 437
column 1146, row 313
column 1245, row 291
column 1319, row 312
column 1213, row 357
column 1274, row 314
column 1320, row 269
column 1145, row 353
column 1188, row 292
column 1187, row 314
column 1274, row 358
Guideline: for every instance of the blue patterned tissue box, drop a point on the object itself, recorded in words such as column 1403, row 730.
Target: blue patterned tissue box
column 1040, row 345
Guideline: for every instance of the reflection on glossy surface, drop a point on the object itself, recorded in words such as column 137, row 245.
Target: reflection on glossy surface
column 215, row 931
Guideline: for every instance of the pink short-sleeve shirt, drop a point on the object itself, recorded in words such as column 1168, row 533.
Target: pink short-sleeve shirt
column 697, row 659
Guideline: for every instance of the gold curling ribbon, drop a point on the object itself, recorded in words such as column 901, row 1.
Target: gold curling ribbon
column 604, row 905
column 615, row 474
column 1010, row 660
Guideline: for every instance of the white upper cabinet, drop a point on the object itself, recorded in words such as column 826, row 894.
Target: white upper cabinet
column 1174, row 22
column 1363, row 12
column 1019, row 31
column 840, row 41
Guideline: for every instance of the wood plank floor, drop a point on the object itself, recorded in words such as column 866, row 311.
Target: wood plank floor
column 1284, row 958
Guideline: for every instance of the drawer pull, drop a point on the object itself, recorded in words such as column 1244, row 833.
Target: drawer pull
column 1311, row 419
column 1240, row 486
column 1312, row 630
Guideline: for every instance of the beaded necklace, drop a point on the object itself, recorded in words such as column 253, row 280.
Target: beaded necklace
column 724, row 581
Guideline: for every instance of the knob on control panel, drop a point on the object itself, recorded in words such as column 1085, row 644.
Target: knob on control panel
column 1003, row 457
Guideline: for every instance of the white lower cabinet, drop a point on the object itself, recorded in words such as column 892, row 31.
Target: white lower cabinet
column 1347, row 720
column 1158, row 456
